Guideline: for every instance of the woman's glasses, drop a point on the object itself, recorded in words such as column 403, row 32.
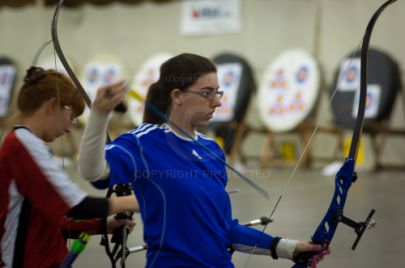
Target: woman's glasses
column 73, row 118
column 209, row 95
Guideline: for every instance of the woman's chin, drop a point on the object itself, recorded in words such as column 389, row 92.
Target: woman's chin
column 201, row 124
column 51, row 139
column 47, row 139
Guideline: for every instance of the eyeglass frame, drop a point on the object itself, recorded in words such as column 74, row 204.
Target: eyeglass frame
column 73, row 119
column 207, row 95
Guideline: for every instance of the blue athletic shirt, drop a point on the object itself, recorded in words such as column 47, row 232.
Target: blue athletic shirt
column 180, row 188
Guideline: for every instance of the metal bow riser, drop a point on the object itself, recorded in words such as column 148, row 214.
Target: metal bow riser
column 344, row 178
column 323, row 235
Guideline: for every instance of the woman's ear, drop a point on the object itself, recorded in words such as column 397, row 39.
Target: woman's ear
column 175, row 95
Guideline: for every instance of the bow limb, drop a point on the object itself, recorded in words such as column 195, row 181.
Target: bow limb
column 62, row 57
column 120, row 235
column 323, row 235
column 363, row 80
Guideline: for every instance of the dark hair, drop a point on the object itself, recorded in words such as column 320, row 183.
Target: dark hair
column 41, row 85
column 181, row 72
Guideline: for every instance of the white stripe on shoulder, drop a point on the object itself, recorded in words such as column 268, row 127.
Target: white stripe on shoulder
column 40, row 153
column 109, row 146
column 141, row 128
column 165, row 128
column 140, row 134
column 205, row 137
column 169, row 129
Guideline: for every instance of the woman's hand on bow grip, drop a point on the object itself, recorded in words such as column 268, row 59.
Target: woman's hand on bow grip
column 108, row 97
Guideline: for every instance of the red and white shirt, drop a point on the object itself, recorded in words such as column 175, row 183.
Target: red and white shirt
column 29, row 170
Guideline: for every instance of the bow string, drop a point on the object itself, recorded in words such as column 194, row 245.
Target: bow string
column 119, row 237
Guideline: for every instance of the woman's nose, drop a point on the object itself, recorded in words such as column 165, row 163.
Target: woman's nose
column 216, row 101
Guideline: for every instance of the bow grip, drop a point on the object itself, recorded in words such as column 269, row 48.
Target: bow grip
column 120, row 108
column 302, row 260
column 121, row 190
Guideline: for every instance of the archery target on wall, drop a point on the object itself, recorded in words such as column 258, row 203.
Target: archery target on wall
column 147, row 75
column 288, row 90
column 102, row 70
column 235, row 78
column 229, row 75
column 7, row 80
column 383, row 79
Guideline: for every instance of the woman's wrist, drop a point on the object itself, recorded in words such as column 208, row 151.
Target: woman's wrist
column 286, row 247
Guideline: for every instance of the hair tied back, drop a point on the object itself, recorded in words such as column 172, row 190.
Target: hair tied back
column 33, row 75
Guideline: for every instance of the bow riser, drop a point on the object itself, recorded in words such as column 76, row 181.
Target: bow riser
column 344, row 179
column 327, row 228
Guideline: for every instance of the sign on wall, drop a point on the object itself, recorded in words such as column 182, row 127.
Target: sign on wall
column 210, row 17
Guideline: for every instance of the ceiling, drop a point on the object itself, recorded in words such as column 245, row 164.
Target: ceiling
column 70, row 3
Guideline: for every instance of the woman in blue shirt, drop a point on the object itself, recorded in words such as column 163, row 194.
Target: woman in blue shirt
column 180, row 187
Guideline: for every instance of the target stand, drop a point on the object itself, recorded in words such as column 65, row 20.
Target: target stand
column 268, row 157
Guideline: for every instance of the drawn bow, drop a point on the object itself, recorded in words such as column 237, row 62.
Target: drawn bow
column 119, row 237
column 323, row 235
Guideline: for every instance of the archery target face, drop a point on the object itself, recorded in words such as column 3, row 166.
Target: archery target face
column 383, row 83
column 229, row 76
column 349, row 75
column 101, row 71
column 288, row 90
column 7, row 78
column 147, row 75
column 372, row 101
